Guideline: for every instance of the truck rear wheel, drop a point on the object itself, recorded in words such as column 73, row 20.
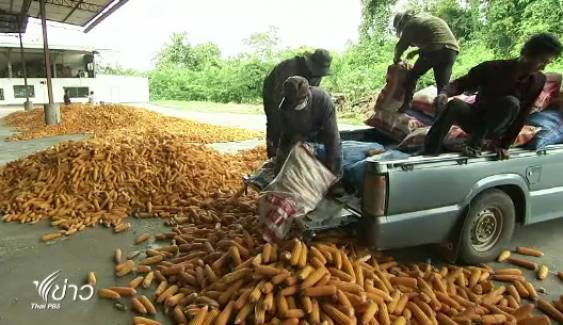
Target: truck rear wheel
column 487, row 228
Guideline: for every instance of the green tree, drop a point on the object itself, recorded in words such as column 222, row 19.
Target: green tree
column 463, row 16
column 176, row 52
column 179, row 53
column 264, row 45
column 487, row 29
column 376, row 17
column 205, row 54
column 117, row 69
column 510, row 23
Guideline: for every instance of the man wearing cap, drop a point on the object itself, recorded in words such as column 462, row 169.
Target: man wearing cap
column 437, row 50
column 311, row 66
column 307, row 114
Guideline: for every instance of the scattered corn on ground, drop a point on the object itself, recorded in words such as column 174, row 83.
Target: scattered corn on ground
column 212, row 267
column 222, row 273
column 103, row 180
column 139, row 161
column 102, row 119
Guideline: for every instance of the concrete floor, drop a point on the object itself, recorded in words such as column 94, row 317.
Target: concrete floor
column 23, row 259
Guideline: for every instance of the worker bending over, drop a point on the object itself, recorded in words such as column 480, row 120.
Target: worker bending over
column 506, row 92
column 307, row 114
column 311, row 66
column 437, row 50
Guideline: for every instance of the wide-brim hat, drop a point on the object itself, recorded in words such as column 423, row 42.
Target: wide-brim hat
column 318, row 62
column 295, row 89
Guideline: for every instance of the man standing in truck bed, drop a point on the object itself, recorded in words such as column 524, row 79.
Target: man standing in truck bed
column 506, row 92
column 311, row 66
column 437, row 50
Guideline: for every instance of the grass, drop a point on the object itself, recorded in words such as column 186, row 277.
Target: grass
column 254, row 109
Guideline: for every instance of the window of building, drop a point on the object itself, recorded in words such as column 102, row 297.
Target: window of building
column 1, row 93
column 19, row 91
column 77, row 92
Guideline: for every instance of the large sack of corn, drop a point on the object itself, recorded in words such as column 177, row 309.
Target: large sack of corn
column 550, row 91
column 392, row 95
column 393, row 124
column 297, row 189
column 456, row 138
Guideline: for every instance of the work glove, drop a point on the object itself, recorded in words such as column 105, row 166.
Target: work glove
column 440, row 102
column 502, row 153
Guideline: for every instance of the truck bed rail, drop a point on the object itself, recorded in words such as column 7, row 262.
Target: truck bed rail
column 453, row 158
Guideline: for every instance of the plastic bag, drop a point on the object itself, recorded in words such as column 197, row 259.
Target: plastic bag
column 395, row 125
column 456, row 137
column 297, row 189
column 549, row 93
column 423, row 100
column 263, row 176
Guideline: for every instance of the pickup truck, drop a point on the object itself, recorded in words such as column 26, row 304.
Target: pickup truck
column 470, row 204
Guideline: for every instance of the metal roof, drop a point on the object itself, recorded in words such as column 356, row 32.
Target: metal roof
column 84, row 13
column 53, row 47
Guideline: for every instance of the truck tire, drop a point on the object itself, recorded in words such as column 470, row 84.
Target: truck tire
column 487, row 228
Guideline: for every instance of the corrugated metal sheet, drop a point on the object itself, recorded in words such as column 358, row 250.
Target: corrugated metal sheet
column 73, row 12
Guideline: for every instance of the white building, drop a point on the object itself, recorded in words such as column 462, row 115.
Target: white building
column 73, row 70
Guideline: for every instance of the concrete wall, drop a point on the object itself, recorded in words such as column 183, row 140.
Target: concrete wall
column 107, row 88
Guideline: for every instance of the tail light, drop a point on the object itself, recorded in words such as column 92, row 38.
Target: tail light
column 374, row 201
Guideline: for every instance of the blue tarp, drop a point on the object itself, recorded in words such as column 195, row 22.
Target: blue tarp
column 354, row 173
column 551, row 124
column 354, row 160
column 352, row 151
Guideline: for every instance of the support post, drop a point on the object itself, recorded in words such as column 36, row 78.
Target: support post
column 10, row 72
column 52, row 110
column 55, row 56
column 28, row 105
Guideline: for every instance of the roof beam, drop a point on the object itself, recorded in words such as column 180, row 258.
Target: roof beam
column 23, row 13
column 11, row 6
column 73, row 10
column 85, row 6
column 25, row 7
column 106, row 14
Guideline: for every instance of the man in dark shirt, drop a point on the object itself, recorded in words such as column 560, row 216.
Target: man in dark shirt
column 437, row 50
column 507, row 90
column 308, row 114
column 311, row 66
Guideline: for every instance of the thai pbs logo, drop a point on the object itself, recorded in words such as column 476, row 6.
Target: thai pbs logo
column 52, row 291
